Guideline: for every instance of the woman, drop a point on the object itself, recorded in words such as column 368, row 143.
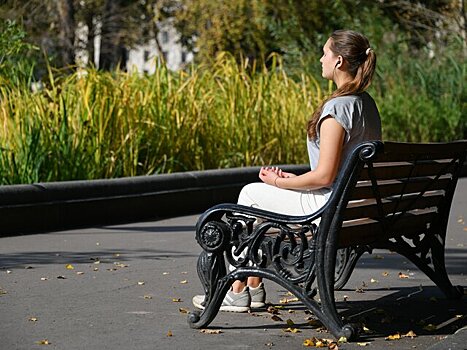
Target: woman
column 349, row 116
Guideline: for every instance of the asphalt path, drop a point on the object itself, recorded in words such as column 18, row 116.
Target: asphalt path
column 130, row 286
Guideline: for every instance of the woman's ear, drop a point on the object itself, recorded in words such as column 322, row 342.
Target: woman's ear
column 339, row 61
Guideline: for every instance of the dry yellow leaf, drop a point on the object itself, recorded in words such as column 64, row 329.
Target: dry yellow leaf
column 373, row 280
column 333, row 346
column 147, row 297
column 176, row 300
column 385, row 274
column 210, row 331
column 184, row 282
column 183, row 310
column 363, row 344
column 69, row 267
column 410, row 334
column 169, row 333
column 273, row 310
column 33, row 319
column 403, row 275
column 291, row 330
column 308, row 343
column 141, row 283
column 396, row 336
column 43, row 342
column 342, row 340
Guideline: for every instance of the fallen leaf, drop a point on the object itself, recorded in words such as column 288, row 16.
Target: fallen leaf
column 184, row 282
column 141, row 283
column 289, row 322
column 69, row 267
column 276, row 318
column 373, row 281
column 367, row 330
column 29, row 267
column 410, row 334
column 273, row 310
column 363, row 344
column 120, row 264
column 184, row 273
column 96, row 269
column 333, row 346
column 169, row 333
column 210, row 331
column 176, row 300
column 430, row 327
column 61, row 277
column 291, row 330
column 308, row 342
column 385, row 274
column 345, row 298
column 80, row 273
column 3, row 292
column 314, row 323
column 43, row 342
column 166, row 273
column 183, row 310
column 117, row 255
column 396, row 336
column 44, row 278
column 291, row 311
column 147, row 297
column 8, row 271
column 269, row 344
column 403, row 275
column 33, row 319
column 342, row 340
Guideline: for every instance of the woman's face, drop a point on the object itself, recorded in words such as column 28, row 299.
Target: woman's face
column 328, row 61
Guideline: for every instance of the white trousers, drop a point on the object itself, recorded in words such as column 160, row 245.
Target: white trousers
column 281, row 201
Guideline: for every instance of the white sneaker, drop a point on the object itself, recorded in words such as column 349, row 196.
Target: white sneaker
column 233, row 302
column 258, row 296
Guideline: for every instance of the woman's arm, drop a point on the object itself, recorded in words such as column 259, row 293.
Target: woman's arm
column 331, row 141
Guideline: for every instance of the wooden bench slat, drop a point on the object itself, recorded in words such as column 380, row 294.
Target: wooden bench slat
column 364, row 190
column 387, row 171
column 394, row 151
column 370, row 231
column 369, row 208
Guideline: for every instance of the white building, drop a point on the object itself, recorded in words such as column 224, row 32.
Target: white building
column 144, row 58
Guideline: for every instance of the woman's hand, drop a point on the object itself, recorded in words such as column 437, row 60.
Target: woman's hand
column 269, row 175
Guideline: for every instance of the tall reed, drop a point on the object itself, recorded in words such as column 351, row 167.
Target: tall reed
column 103, row 125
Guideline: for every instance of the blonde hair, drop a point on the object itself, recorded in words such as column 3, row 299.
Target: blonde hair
column 361, row 59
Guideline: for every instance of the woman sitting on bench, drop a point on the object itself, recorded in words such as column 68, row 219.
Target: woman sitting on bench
column 349, row 116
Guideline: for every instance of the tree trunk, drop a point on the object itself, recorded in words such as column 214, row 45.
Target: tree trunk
column 113, row 53
column 67, row 27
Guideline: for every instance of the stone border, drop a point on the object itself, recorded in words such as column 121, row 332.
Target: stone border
column 41, row 207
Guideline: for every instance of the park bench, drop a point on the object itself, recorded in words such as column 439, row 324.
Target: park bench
column 394, row 196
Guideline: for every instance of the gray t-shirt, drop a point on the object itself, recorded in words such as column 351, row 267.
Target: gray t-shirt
column 359, row 117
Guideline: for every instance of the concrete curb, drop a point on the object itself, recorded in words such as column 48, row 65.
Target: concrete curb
column 27, row 209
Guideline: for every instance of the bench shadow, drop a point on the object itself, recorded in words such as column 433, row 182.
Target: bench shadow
column 422, row 310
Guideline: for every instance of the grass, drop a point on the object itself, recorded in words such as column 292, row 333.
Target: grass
column 93, row 124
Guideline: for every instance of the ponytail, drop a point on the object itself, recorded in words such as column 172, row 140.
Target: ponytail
column 355, row 49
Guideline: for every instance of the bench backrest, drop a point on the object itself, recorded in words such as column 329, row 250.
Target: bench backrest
column 399, row 189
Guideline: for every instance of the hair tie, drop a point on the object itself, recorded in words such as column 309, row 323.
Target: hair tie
column 368, row 51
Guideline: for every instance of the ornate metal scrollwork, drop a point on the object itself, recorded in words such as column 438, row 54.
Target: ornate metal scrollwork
column 214, row 236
